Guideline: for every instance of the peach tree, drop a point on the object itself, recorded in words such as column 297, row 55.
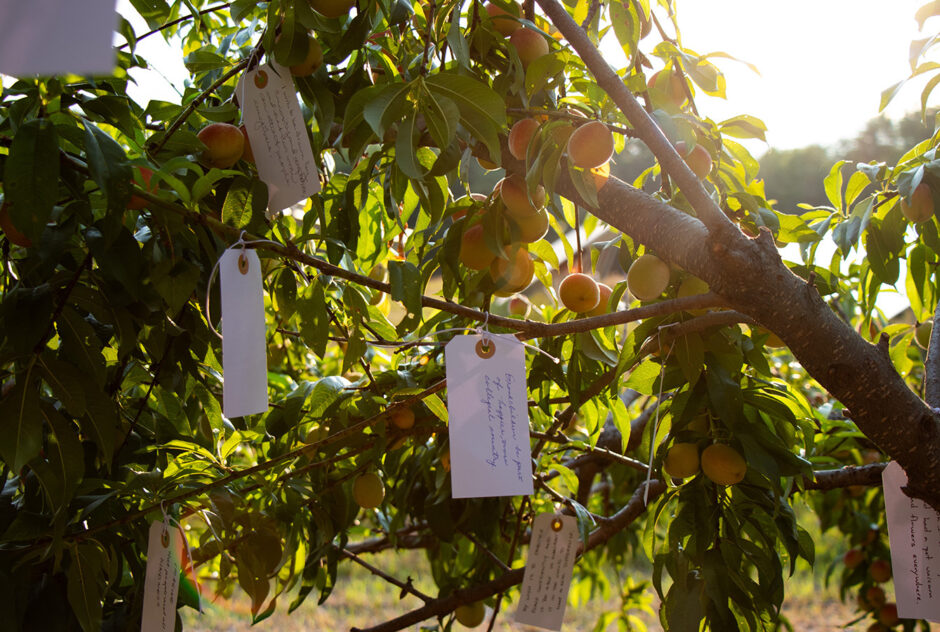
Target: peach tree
column 751, row 368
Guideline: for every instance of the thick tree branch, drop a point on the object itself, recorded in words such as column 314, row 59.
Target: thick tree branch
column 932, row 364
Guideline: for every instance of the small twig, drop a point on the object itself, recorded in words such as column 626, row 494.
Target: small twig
column 217, row 7
column 406, row 587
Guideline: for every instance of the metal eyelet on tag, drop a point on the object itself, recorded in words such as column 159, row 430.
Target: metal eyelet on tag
column 243, row 263
column 165, row 538
column 486, row 349
column 557, row 525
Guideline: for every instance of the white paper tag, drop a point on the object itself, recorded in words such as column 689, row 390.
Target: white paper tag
column 54, row 37
column 244, row 356
column 278, row 136
column 548, row 570
column 489, row 417
column 161, row 585
column 914, row 536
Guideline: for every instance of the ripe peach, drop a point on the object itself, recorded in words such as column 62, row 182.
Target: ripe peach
column 520, row 135
column 11, row 231
column 682, row 460
column 530, row 228
column 873, row 598
column 332, row 8
column 474, row 253
column 247, row 155
column 579, row 292
column 888, row 615
column 920, row 207
column 529, row 45
column 519, row 306
column 515, row 196
column 591, row 145
column 723, row 464
column 603, row 304
column 513, row 271
column 880, row 571
column 648, row 277
column 403, row 418
column 853, row 558
column 697, row 158
column 138, row 203
column 503, row 20
column 224, row 143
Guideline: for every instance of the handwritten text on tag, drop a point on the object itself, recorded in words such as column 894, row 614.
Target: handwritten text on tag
column 278, row 136
column 244, row 357
column 548, row 570
column 914, row 534
column 161, row 584
column 488, row 417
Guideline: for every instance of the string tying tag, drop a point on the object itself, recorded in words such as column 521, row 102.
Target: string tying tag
column 487, row 346
column 659, row 399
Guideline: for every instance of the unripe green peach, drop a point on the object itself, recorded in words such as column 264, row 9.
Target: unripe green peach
column 591, row 145
column 529, row 45
column 723, row 464
column 403, row 418
column 332, row 8
column 922, row 333
column 579, row 292
column 312, row 61
column 682, row 460
column 648, row 277
column 368, row 490
column 471, row 615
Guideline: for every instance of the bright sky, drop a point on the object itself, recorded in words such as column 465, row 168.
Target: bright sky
column 823, row 63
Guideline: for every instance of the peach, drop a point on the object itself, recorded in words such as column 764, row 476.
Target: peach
column 682, row 460
column 603, row 305
column 224, row 143
column 521, row 135
column 403, row 418
column 880, row 571
column 579, row 292
column 667, row 85
column 312, row 61
column 515, row 196
column 11, row 231
column 853, row 558
column 138, row 203
column 503, row 21
column 723, row 464
column 519, row 306
column 247, row 155
column 591, row 145
column 648, row 277
column 474, row 253
column 513, row 271
column 529, row 45
column 697, row 158
column 920, row 207
column 530, row 228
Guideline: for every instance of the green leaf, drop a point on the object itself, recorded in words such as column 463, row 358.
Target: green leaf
column 833, row 185
column 80, row 344
column 436, row 406
column 20, row 425
column 245, row 202
column 406, row 284
column 31, row 176
column 65, row 380
column 744, row 126
column 109, row 167
column 406, row 147
column 482, row 110
column 87, row 584
column 62, row 469
column 204, row 59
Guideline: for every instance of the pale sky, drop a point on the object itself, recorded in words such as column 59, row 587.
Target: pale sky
column 823, row 63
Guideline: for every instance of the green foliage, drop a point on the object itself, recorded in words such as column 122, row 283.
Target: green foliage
column 110, row 408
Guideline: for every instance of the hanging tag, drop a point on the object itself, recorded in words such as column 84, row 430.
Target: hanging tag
column 55, row 37
column 548, row 570
column 278, row 136
column 162, row 579
column 914, row 537
column 488, row 417
column 244, row 356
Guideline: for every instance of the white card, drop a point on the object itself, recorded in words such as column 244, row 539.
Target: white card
column 161, row 585
column 278, row 136
column 55, row 37
column 548, row 570
column 914, row 536
column 489, row 417
column 244, row 353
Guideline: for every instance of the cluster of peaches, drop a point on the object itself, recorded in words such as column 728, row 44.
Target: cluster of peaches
column 872, row 598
